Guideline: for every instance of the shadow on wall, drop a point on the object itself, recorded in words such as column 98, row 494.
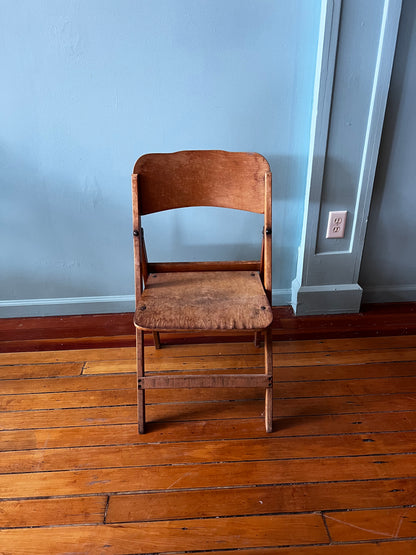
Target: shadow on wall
column 389, row 273
column 396, row 91
column 289, row 185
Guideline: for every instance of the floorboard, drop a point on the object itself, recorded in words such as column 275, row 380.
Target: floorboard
column 117, row 330
column 336, row 477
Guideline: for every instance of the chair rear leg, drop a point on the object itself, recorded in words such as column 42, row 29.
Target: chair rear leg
column 141, row 415
column 268, row 368
column 156, row 339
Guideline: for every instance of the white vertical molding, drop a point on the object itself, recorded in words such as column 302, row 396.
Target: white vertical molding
column 308, row 296
column 321, row 111
column 324, row 84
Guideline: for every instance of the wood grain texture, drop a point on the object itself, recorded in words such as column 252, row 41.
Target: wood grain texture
column 203, row 301
column 391, row 548
column 336, row 475
column 372, row 524
column 191, row 301
column 211, row 266
column 40, row 370
column 99, row 426
column 209, row 475
column 290, row 353
column 52, row 512
column 151, row 537
column 259, row 500
column 117, row 330
column 198, row 381
column 201, row 178
column 131, row 453
column 291, row 393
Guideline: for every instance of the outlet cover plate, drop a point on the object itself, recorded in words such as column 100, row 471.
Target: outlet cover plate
column 336, row 224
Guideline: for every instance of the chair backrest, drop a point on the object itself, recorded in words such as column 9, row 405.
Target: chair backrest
column 202, row 178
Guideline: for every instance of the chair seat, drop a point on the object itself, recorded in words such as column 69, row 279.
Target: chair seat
column 230, row 300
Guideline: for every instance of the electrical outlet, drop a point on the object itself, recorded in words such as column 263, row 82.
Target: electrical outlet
column 336, row 224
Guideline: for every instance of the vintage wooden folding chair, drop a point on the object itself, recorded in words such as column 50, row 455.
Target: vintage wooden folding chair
column 204, row 296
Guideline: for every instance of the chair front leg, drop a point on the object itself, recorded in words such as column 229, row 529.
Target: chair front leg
column 268, row 369
column 141, row 414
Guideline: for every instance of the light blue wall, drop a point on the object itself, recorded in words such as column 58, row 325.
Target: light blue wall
column 388, row 271
column 90, row 85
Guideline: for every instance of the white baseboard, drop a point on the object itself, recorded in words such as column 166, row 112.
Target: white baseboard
column 90, row 305
column 66, row 306
column 326, row 299
column 281, row 297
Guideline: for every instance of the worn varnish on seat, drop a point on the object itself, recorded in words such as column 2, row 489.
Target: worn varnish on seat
column 202, row 296
column 204, row 301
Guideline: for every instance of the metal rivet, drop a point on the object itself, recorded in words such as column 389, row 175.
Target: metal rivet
column 143, row 307
column 268, row 230
column 135, row 233
column 263, row 307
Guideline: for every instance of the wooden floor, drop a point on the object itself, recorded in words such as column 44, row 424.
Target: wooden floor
column 53, row 333
column 337, row 476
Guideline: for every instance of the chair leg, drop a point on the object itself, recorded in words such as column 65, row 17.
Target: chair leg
column 156, row 339
column 141, row 416
column 268, row 368
column 257, row 339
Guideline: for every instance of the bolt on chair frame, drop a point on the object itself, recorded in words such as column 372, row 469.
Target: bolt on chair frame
column 209, row 296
